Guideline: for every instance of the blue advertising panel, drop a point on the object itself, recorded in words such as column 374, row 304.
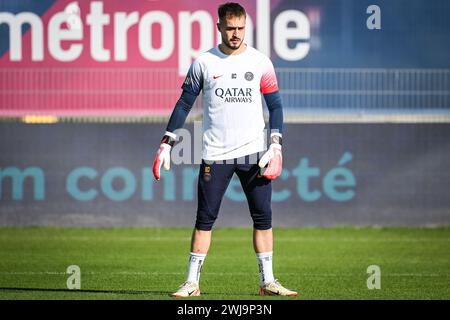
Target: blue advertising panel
column 333, row 174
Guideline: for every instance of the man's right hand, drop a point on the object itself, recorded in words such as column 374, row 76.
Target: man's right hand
column 163, row 156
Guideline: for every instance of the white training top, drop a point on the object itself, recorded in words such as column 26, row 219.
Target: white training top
column 233, row 122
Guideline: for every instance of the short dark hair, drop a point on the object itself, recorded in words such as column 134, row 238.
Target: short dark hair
column 230, row 9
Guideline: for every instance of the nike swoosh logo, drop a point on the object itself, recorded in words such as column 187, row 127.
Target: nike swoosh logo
column 215, row 77
column 189, row 293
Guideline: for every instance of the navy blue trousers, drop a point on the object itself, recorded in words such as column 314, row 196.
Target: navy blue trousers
column 214, row 178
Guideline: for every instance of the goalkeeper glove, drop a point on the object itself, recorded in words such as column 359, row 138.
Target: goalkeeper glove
column 163, row 155
column 273, row 159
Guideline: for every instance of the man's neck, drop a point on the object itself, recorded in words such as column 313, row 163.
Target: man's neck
column 230, row 52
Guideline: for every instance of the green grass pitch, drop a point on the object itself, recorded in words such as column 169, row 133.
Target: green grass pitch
column 149, row 263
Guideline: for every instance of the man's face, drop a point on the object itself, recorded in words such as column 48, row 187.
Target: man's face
column 232, row 31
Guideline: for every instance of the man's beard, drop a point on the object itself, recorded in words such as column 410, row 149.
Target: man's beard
column 230, row 45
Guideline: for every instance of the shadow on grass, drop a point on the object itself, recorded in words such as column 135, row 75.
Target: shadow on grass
column 136, row 292
column 124, row 292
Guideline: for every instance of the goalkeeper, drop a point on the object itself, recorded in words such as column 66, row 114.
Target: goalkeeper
column 231, row 76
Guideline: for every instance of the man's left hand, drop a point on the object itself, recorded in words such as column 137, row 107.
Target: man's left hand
column 273, row 158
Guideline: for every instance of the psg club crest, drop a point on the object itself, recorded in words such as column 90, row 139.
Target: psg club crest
column 248, row 76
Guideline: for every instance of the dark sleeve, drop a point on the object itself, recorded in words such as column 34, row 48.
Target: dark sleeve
column 181, row 111
column 274, row 104
column 193, row 83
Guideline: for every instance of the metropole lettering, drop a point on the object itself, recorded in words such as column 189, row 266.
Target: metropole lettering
column 69, row 27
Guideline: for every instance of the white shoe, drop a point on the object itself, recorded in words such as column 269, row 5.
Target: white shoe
column 276, row 289
column 187, row 289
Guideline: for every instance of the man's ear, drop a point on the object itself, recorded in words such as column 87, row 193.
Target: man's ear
column 218, row 26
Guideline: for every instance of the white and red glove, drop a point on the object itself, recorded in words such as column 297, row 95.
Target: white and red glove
column 273, row 159
column 163, row 156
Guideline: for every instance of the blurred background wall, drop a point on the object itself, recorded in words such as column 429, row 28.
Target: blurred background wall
column 86, row 88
